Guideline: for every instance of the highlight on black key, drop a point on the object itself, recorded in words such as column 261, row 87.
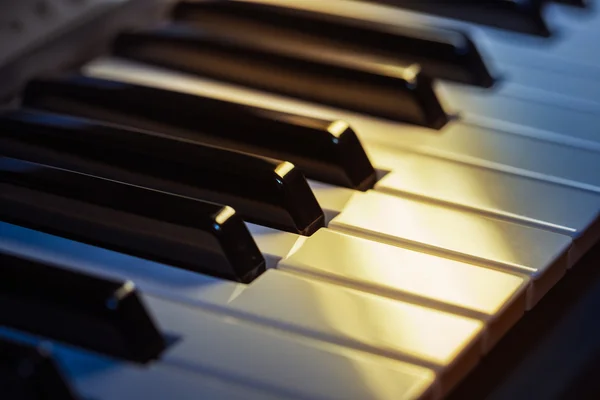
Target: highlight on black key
column 401, row 93
column 324, row 150
column 186, row 233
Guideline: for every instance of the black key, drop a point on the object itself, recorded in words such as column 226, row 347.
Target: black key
column 524, row 16
column 29, row 373
column 440, row 53
column 356, row 83
column 186, row 233
column 327, row 151
column 97, row 314
column 261, row 190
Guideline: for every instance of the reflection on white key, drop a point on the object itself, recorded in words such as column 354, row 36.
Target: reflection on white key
column 566, row 125
column 225, row 353
column 209, row 339
column 498, row 298
column 447, row 343
column 96, row 377
column 280, row 361
column 545, row 205
column 570, row 91
column 184, row 287
column 542, row 255
column 489, row 148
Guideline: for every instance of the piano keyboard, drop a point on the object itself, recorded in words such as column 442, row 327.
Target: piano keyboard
column 292, row 200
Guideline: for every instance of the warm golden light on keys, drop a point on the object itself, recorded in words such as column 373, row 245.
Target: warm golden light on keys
column 570, row 211
column 448, row 343
column 401, row 273
column 456, row 234
column 279, row 360
column 467, row 144
column 498, row 298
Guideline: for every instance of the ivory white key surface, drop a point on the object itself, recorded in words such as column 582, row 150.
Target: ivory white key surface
column 545, row 205
column 93, row 376
column 210, row 341
column 571, row 91
column 498, row 298
column 187, row 289
column 286, row 363
column 489, row 148
column 542, row 255
column 490, row 109
column 447, row 343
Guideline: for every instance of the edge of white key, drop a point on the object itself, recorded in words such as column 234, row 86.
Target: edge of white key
column 335, row 314
column 408, row 275
column 361, row 208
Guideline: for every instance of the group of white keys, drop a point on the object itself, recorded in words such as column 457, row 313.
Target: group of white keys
column 411, row 283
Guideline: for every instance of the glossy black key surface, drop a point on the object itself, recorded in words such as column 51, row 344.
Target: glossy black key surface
column 353, row 83
column 29, row 373
column 261, row 190
column 524, row 16
column 98, row 314
column 440, row 53
column 328, row 151
column 186, row 233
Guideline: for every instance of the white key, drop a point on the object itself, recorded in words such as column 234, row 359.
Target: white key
column 209, row 340
column 222, row 352
column 542, row 255
column 564, row 210
column 489, row 148
column 498, row 298
column 528, row 117
column 196, row 289
column 195, row 329
column 447, row 343
column 211, row 294
column 275, row 359
column 93, row 376
column 574, row 18
column 571, row 91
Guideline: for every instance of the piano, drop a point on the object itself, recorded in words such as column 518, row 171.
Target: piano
column 267, row 199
